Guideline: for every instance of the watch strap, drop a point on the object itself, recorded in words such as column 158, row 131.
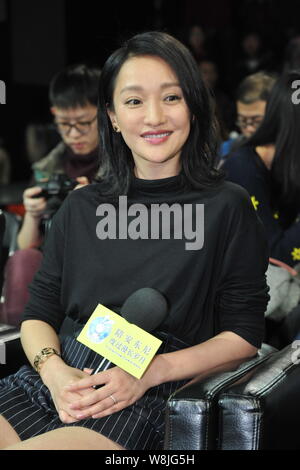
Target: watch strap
column 42, row 356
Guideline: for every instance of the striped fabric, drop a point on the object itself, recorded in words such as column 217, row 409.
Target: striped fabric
column 27, row 404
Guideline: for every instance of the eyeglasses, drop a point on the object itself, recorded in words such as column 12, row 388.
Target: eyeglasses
column 83, row 127
column 253, row 121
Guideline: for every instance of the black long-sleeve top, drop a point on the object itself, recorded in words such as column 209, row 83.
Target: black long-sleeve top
column 220, row 287
column 246, row 168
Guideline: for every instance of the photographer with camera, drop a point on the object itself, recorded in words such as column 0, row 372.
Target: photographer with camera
column 74, row 161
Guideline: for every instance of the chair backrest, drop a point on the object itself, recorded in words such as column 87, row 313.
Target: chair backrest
column 9, row 228
column 2, row 226
column 2, row 251
column 13, row 223
column 261, row 411
column 192, row 418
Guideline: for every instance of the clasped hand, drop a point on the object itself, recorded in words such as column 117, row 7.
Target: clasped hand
column 97, row 403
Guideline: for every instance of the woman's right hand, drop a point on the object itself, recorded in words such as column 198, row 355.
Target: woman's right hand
column 34, row 206
column 56, row 374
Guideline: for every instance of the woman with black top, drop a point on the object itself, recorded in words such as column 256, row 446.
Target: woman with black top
column 158, row 137
column 268, row 167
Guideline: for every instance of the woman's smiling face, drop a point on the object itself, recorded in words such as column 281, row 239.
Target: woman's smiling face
column 150, row 110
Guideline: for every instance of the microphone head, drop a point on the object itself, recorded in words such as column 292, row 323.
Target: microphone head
column 146, row 308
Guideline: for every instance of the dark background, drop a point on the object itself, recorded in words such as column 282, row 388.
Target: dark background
column 39, row 37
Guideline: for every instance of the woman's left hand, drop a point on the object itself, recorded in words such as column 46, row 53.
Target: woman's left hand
column 118, row 390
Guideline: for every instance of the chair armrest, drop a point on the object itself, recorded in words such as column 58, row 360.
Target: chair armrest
column 12, row 357
column 262, row 410
column 192, row 413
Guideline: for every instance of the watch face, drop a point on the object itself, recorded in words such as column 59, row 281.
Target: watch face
column 42, row 356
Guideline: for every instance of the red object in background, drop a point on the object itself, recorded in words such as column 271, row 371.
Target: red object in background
column 19, row 272
column 17, row 209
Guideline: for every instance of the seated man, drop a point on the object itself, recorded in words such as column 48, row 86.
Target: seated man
column 73, row 97
column 251, row 99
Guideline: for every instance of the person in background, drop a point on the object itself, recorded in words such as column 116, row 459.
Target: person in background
column 73, row 97
column 251, row 99
column 5, row 165
column 40, row 139
column 197, row 42
column 224, row 106
column 254, row 56
column 291, row 60
column 158, row 143
column 268, row 167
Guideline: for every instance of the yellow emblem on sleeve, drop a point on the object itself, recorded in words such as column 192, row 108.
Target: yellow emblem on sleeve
column 254, row 202
column 296, row 254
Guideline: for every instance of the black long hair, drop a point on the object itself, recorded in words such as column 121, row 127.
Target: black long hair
column 199, row 151
column 281, row 127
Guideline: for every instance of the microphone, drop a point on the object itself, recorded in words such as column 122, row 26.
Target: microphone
column 145, row 308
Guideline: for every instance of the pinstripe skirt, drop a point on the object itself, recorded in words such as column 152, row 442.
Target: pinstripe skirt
column 26, row 403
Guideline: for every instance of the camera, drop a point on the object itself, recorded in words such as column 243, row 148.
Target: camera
column 55, row 190
column 58, row 185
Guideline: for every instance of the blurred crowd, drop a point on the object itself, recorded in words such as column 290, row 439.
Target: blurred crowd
column 250, row 99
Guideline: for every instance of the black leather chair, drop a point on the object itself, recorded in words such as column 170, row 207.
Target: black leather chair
column 2, row 254
column 14, row 355
column 256, row 406
column 2, row 227
column 262, row 410
column 10, row 224
column 13, row 223
column 192, row 419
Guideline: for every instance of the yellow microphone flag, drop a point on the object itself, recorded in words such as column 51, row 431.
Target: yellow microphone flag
column 124, row 344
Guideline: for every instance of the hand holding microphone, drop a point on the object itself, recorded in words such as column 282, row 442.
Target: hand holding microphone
column 147, row 308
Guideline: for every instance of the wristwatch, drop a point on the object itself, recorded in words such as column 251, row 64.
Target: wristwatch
column 42, row 356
